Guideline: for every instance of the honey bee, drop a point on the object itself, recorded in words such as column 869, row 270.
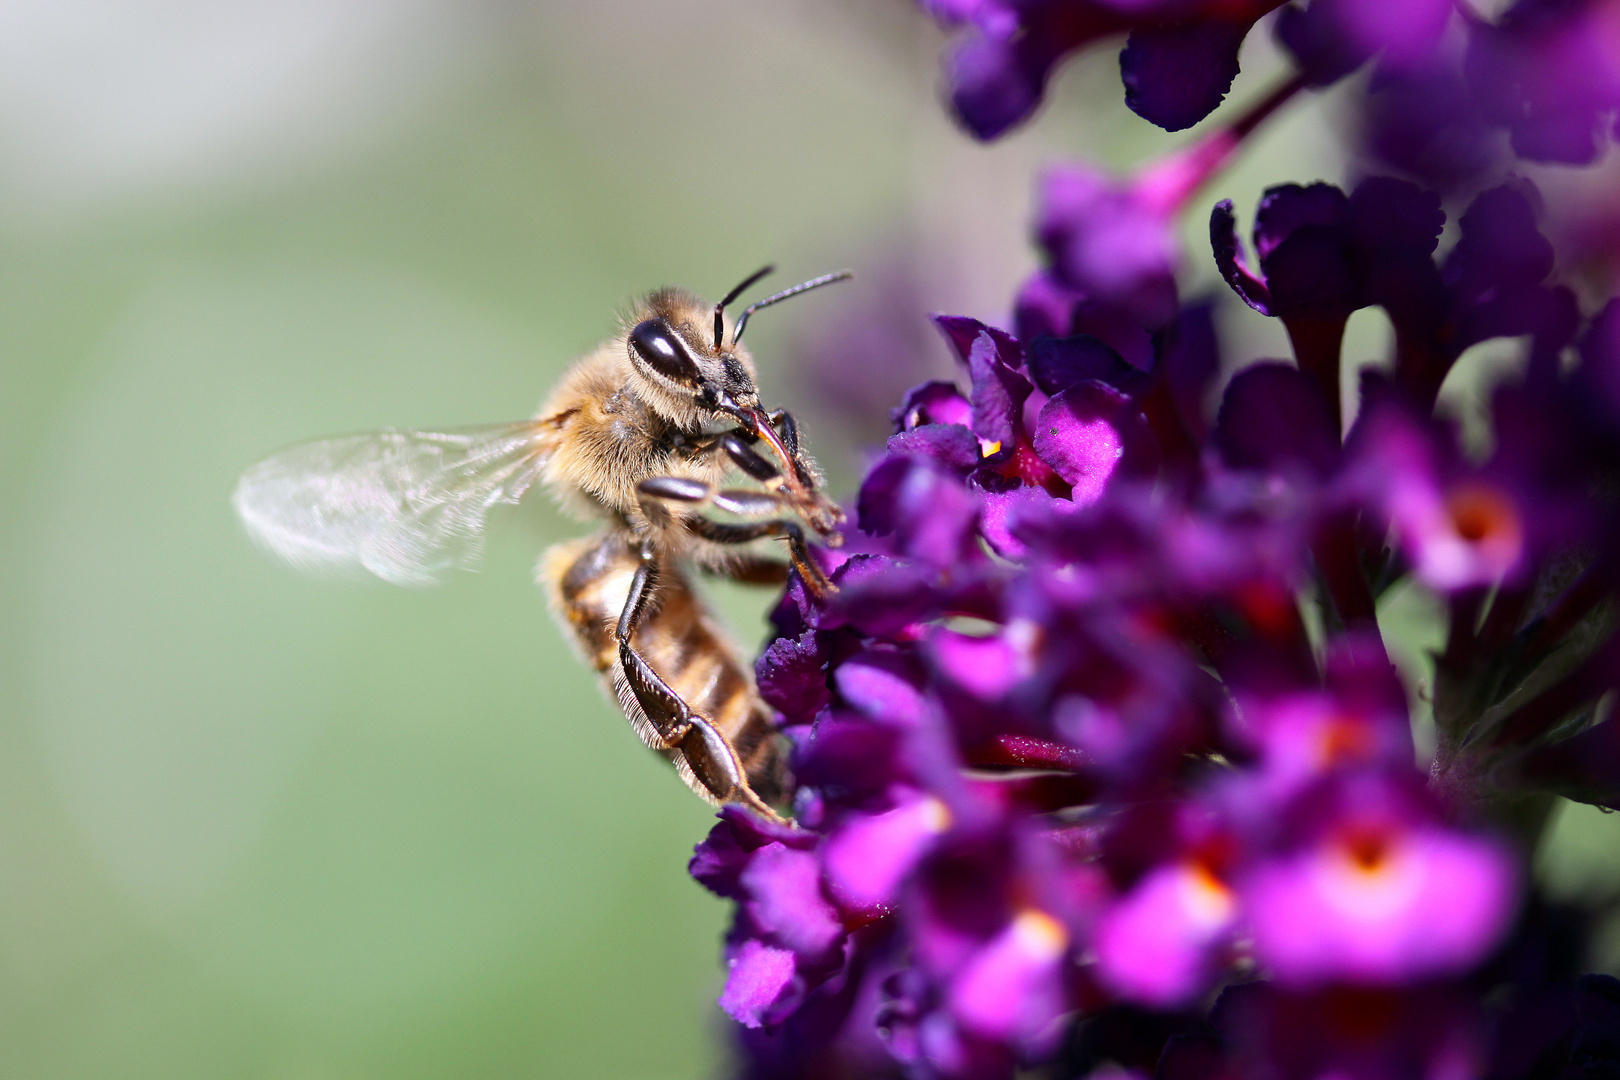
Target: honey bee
column 660, row 434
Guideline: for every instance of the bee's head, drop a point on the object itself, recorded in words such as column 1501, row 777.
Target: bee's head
column 683, row 363
column 678, row 368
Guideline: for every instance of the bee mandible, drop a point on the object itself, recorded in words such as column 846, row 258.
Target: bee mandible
column 660, row 434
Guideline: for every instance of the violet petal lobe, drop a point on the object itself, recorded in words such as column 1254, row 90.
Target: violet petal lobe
column 1155, row 946
column 883, row 686
column 1055, row 364
column 1223, row 238
column 950, row 445
column 785, row 901
column 1287, row 208
column 868, row 856
column 756, row 977
column 999, row 515
column 1013, row 987
column 933, row 402
column 1091, row 432
column 792, row 676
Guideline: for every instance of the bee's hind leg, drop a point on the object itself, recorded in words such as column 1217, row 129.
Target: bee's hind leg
column 705, row 754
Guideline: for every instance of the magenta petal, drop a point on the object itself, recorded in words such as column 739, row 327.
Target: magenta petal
column 1155, row 946
column 874, row 685
column 1432, row 902
column 870, row 854
column 1089, row 432
column 933, row 402
column 998, row 516
column 784, row 887
column 986, row 667
column 1014, row 985
column 758, row 973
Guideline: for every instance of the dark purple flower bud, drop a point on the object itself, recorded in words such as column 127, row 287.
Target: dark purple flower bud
column 1301, row 235
column 1179, row 63
column 1500, row 246
column 996, row 85
column 1583, row 767
column 1599, row 372
column 1045, row 307
column 1394, row 227
column 1187, row 355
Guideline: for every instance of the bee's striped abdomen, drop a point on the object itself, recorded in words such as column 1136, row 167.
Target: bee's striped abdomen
column 589, row 581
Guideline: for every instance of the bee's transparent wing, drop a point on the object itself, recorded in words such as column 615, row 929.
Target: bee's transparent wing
column 405, row 505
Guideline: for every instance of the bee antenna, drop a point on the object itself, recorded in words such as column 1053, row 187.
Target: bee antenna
column 802, row 287
column 719, row 309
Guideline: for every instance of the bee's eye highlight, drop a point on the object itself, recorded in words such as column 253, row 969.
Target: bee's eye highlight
column 662, row 351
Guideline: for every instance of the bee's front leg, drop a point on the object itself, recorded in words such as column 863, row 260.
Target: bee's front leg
column 743, row 503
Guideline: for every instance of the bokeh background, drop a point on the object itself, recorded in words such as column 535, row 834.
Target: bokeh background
column 253, row 825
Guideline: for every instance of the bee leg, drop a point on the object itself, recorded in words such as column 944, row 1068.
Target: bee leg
column 680, row 489
column 711, row 760
column 815, row 579
column 753, row 570
column 789, row 427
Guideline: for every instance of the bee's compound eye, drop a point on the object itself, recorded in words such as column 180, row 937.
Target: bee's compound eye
column 662, row 351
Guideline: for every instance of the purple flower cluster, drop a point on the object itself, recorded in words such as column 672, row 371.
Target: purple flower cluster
column 1102, row 764
column 1099, row 720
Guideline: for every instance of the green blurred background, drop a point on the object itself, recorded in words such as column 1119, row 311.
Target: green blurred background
column 253, row 825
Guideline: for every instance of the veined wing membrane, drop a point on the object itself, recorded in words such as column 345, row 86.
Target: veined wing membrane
column 405, row 505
